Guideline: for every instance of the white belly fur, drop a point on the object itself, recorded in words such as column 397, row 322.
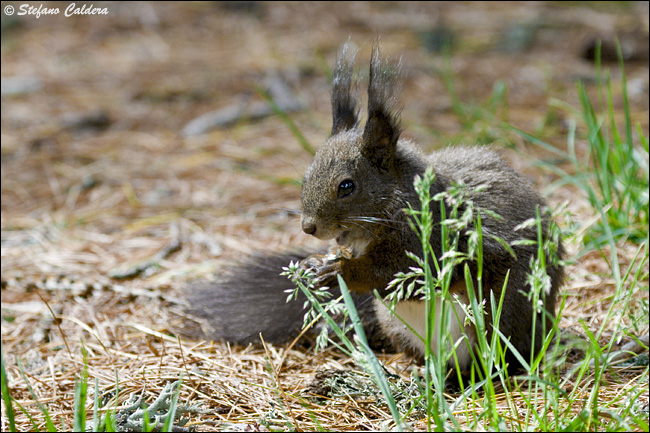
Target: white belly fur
column 413, row 312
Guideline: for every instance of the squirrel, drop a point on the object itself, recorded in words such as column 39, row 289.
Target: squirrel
column 355, row 192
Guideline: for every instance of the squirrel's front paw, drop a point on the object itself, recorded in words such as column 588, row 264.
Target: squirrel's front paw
column 324, row 268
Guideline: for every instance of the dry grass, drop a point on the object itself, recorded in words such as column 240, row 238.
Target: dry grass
column 81, row 203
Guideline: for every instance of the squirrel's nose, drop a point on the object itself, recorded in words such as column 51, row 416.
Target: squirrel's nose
column 308, row 225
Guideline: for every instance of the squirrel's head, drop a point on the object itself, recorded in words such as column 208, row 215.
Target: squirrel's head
column 352, row 188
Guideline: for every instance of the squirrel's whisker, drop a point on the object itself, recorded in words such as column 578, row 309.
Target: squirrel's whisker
column 360, row 225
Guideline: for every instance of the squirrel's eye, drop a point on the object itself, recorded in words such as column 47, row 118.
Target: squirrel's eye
column 346, row 188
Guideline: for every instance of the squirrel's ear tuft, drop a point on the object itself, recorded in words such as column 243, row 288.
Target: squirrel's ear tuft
column 383, row 126
column 345, row 112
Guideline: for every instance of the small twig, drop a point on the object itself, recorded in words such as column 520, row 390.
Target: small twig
column 162, row 355
column 189, row 375
column 57, row 321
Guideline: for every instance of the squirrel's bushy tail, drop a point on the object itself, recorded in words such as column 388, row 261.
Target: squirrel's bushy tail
column 250, row 299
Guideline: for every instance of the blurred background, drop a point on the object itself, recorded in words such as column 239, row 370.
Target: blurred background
column 146, row 122
column 145, row 145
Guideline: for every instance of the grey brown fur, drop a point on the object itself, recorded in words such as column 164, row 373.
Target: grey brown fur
column 344, row 88
column 354, row 192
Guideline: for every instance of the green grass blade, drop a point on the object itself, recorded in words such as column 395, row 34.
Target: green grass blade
column 146, row 422
column 171, row 415
column 287, row 120
column 48, row 420
column 626, row 102
column 6, row 394
column 96, row 408
column 376, row 368
column 109, row 419
column 28, row 415
column 80, row 394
